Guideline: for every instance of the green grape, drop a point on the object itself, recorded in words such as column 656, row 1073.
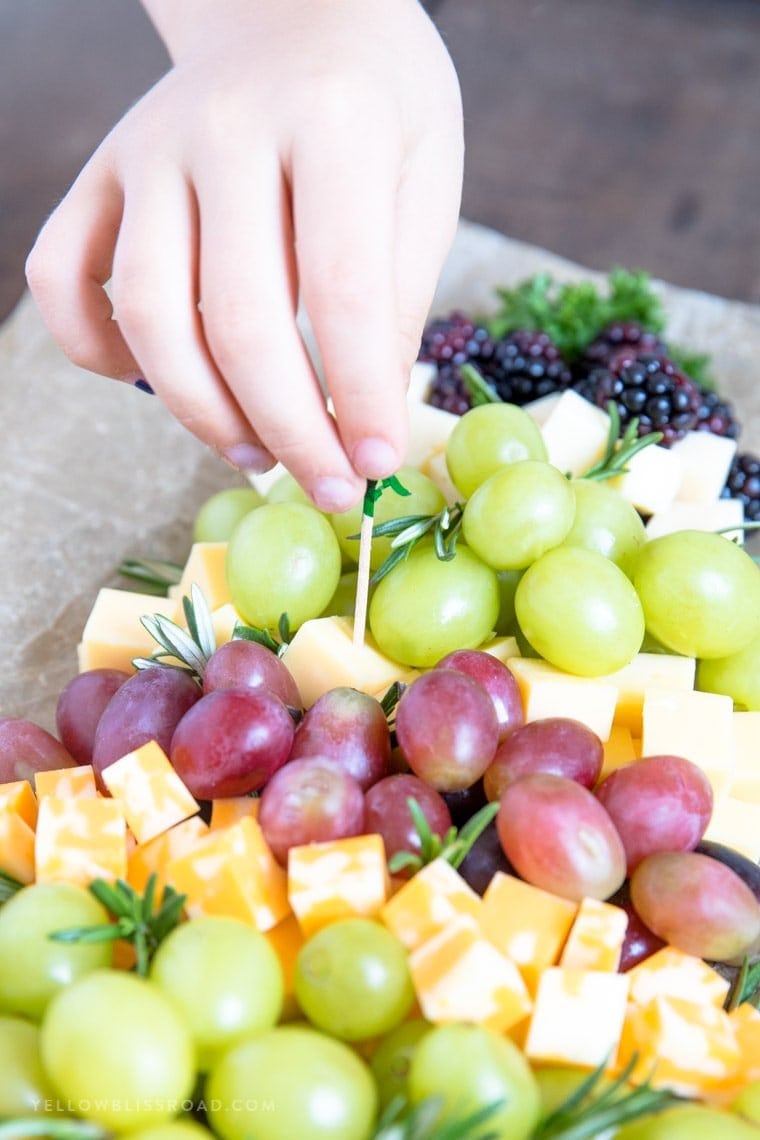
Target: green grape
column 24, row 1085
column 117, row 1051
column 183, row 1129
column 557, row 1082
column 391, row 1059
column 424, row 498
column 219, row 515
column 519, row 513
column 34, row 967
column 737, row 675
column 580, row 612
column 487, row 438
column 282, row 558
column 291, row 1083
column 747, row 1103
column 352, row 979
column 286, row 489
column 469, row 1067
column 607, row 523
column 506, row 622
column 700, row 593
column 343, row 601
column 425, row 608
column 688, row 1122
column 223, row 977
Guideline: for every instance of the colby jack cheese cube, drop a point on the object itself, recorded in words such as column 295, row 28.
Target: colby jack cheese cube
column 577, row 1017
column 342, row 878
column 429, row 902
column 80, row 840
column 526, row 923
column 154, row 856
column 595, row 941
column 17, row 796
column 16, row 846
column 152, row 793
column 66, row 783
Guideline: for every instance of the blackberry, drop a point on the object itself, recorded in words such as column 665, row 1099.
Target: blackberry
column 743, row 482
column 717, row 416
column 525, row 365
column 618, row 336
column 649, row 387
column 448, row 343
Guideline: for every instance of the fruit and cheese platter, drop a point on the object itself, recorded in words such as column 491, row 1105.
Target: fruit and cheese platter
column 438, row 819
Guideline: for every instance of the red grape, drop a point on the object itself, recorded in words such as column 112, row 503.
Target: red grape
column 555, row 744
column 242, row 664
column 640, row 942
column 309, row 801
column 349, row 728
column 387, row 812
column 447, row 729
column 231, row 742
column 26, row 748
column 658, row 803
column 559, row 837
column 497, row 680
column 80, row 707
column 745, row 868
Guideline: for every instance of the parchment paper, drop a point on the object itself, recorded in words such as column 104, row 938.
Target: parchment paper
column 93, row 471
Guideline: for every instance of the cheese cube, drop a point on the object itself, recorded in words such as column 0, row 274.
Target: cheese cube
column 503, row 648
column 459, row 975
column 745, row 782
column 66, row 783
column 80, row 840
column 154, row 856
column 595, row 941
column 233, row 873
column 421, row 378
column 652, row 481
column 575, row 431
column 643, row 672
column 152, row 793
column 705, row 462
column 113, row 633
column 436, row 468
column 745, row 1020
column 723, row 514
column 619, row 750
column 735, row 823
column 429, row 431
column 224, row 619
column 428, row 902
column 226, row 812
column 696, row 725
column 343, row 878
column 16, row 846
column 322, row 656
column 577, row 1017
column 17, row 796
column 286, row 939
column 205, row 568
column 672, row 973
column 688, row 1047
column 548, row 691
column 526, row 923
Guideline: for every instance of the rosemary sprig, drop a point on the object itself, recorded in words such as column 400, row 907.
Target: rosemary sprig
column 409, row 530
column 477, row 387
column 454, row 845
column 422, row 1122
column 187, row 649
column 263, row 637
column 143, row 920
column 9, row 886
column 620, row 449
column 155, row 575
column 390, row 699
column 746, row 985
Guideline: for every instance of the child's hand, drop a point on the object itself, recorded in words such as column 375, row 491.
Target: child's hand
column 306, row 147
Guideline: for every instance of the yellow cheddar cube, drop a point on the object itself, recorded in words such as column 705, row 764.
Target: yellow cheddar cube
column 233, row 873
column 17, row 796
column 322, row 656
column 224, row 619
column 152, row 793
column 577, row 1017
column 595, row 941
column 66, row 783
column 80, row 840
column 645, row 671
column 459, row 975
column 619, row 750
column 16, row 846
column 503, row 648
column 153, row 857
column 205, row 568
column 745, row 782
column 526, row 923
column 228, row 811
column 341, row 878
column 745, row 1020
column 548, row 691
column 696, row 725
column 428, row 902
column 735, row 823
column 688, row 1047
column 286, row 939
column 113, row 633
column 672, row 973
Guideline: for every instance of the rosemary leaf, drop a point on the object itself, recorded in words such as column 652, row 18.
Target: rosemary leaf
column 155, row 575
column 8, row 886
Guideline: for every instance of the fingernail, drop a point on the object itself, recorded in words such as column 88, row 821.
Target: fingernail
column 333, row 494
column 374, row 458
column 249, row 457
column 144, row 386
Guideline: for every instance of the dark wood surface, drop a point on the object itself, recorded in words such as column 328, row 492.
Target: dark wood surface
column 613, row 133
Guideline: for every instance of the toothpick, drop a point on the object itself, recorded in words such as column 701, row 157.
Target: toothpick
column 373, row 492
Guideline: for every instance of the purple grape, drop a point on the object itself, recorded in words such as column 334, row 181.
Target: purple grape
column 80, row 707
column 484, row 859
column 555, row 744
column 387, row 812
column 350, row 729
column 497, row 680
column 309, row 801
column 242, row 664
column 26, row 748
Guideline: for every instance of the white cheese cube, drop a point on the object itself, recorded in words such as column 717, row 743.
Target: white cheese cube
column 548, row 691
column 705, row 461
column 575, row 431
column 652, row 480
column 718, row 515
column 696, row 725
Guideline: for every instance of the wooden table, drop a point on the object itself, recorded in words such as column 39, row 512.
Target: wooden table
column 613, row 133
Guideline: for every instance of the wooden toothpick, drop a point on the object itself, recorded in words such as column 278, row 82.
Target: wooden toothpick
column 375, row 488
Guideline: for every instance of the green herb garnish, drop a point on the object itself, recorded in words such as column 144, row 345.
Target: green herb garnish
column 620, row 449
column 423, row 1122
column 454, row 845
column 407, row 531
column 9, row 886
column 746, row 985
column 264, row 637
column 155, row 575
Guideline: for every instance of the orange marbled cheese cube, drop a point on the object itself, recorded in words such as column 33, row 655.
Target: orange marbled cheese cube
column 428, row 902
column 672, row 973
column 688, row 1047
column 153, row 857
column 595, row 941
column 66, row 783
column 342, row 878
column 577, row 1017
column 528, row 924
column 153, row 795
column 226, row 812
column 80, row 840
column 286, row 939
column 16, row 846
column 17, row 796
column 459, row 975
column 745, row 1019
column 234, row 873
